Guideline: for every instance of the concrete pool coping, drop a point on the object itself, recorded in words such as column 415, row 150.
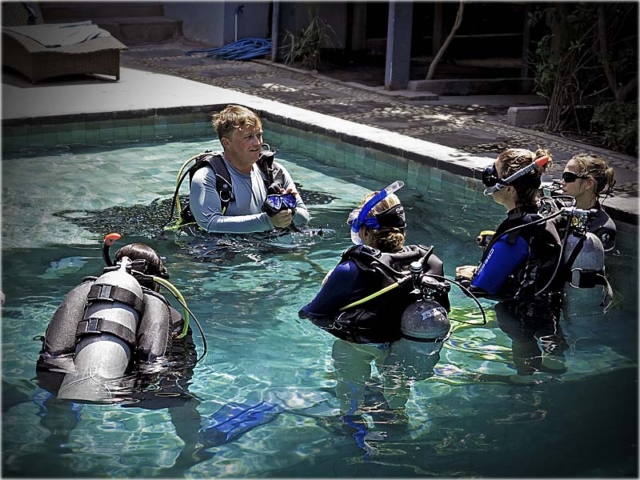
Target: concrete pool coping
column 147, row 94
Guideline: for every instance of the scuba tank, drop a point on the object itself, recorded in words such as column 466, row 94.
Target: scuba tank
column 584, row 253
column 106, row 334
column 425, row 326
column 425, row 321
column 584, row 256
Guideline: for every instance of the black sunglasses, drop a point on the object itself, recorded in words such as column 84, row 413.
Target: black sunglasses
column 570, row 177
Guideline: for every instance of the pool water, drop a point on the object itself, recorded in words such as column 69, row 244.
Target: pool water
column 262, row 402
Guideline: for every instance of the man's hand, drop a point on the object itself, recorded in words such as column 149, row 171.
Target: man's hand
column 282, row 219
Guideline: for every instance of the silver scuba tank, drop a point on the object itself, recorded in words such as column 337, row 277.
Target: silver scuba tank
column 425, row 320
column 425, row 326
column 102, row 354
column 589, row 260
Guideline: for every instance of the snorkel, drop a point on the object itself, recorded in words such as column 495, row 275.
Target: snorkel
column 109, row 240
column 512, row 178
column 371, row 222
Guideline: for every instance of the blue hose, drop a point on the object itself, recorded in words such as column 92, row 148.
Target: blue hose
column 244, row 49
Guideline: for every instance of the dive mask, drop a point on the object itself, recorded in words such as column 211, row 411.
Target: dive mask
column 494, row 183
column 276, row 203
column 490, row 176
column 393, row 217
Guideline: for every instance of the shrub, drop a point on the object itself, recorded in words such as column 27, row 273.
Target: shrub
column 305, row 47
column 618, row 122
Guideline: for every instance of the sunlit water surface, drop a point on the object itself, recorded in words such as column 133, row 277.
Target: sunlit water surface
column 471, row 418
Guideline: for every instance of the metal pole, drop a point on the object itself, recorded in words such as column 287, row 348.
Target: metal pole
column 275, row 26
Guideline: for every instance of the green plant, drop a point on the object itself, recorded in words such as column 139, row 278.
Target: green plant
column 545, row 66
column 305, row 47
column 618, row 122
column 587, row 59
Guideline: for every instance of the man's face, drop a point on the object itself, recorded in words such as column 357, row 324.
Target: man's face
column 244, row 145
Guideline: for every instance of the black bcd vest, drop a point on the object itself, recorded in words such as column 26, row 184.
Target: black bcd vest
column 271, row 169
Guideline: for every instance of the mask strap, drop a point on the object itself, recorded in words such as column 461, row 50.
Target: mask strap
column 377, row 198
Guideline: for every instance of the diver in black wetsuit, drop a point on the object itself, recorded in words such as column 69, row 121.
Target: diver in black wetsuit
column 520, row 265
column 363, row 302
column 115, row 324
column 587, row 178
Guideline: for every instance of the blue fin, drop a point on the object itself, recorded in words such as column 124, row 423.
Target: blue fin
column 236, row 419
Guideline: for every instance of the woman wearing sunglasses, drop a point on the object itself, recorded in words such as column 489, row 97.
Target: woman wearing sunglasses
column 586, row 177
column 519, row 266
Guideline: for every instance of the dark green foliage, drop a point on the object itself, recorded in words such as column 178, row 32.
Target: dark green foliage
column 589, row 59
column 618, row 122
column 305, row 47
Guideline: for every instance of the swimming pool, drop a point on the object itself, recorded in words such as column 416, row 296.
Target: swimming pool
column 470, row 419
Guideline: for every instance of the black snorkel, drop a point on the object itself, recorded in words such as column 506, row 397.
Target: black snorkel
column 494, row 183
column 109, row 240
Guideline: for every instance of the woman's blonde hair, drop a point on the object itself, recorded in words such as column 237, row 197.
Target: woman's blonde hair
column 386, row 239
column 234, row 117
column 514, row 159
column 595, row 167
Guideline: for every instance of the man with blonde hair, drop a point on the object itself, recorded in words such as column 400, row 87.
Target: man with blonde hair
column 257, row 193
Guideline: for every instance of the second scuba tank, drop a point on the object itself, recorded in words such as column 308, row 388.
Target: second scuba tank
column 425, row 321
column 106, row 335
column 425, row 326
column 584, row 257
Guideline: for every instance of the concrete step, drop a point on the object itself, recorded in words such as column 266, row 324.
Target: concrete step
column 135, row 30
column 56, row 12
column 131, row 23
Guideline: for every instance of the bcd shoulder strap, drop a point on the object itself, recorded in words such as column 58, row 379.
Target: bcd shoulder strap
column 272, row 170
column 223, row 178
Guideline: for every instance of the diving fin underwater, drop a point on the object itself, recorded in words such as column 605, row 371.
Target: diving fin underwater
column 233, row 420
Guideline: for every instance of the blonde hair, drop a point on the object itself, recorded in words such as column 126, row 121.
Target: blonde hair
column 595, row 167
column 234, row 117
column 389, row 239
column 514, row 159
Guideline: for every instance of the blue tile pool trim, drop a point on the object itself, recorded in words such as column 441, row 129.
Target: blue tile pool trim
column 104, row 129
column 149, row 126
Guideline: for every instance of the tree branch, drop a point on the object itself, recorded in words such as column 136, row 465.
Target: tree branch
column 602, row 42
column 456, row 25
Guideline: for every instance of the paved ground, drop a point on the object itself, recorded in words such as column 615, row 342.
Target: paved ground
column 474, row 125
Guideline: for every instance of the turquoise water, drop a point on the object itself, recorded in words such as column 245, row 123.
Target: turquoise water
column 472, row 417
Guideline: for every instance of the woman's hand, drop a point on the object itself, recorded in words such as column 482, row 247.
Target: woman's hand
column 465, row 272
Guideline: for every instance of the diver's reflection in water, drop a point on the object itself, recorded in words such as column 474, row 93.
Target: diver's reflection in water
column 382, row 398
column 154, row 387
column 538, row 342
